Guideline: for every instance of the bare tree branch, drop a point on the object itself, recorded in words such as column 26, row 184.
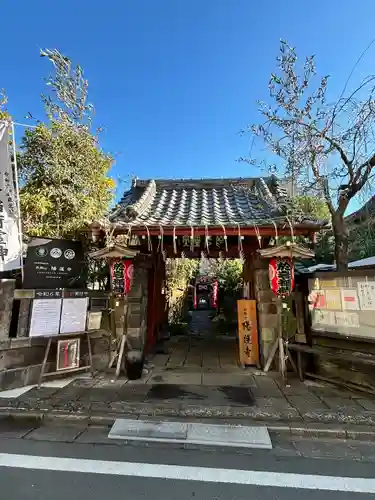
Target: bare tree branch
column 330, row 143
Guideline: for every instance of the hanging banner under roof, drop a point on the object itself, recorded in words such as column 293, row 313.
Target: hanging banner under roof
column 10, row 241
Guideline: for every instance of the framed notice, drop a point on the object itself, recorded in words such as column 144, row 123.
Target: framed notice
column 323, row 317
column 67, row 354
column 73, row 315
column 348, row 320
column 366, row 293
column 349, row 298
column 333, row 299
column 94, row 319
column 45, row 317
column 248, row 332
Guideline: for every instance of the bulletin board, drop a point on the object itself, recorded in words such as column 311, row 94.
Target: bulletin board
column 344, row 305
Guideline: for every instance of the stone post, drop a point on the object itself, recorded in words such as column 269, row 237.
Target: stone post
column 7, row 287
column 267, row 309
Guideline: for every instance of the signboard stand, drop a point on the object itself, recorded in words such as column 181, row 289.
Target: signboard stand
column 56, row 338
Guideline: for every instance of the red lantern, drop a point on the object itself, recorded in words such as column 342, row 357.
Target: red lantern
column 281, row 275
column 122, row 275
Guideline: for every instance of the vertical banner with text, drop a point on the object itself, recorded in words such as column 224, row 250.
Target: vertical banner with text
column 10, row 244
column 248, row 332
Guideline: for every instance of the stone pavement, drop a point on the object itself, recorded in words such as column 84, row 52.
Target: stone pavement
column 251, row 397
column 199, row 354
column 29, row 431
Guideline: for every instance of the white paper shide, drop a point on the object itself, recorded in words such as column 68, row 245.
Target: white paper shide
column 10, row 244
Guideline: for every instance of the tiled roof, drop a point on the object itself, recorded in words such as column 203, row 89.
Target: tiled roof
column 362, row 214
column 200, row 203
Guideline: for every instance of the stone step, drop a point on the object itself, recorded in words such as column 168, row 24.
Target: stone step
column 237, row 436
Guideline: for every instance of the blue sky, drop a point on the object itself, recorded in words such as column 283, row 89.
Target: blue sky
column 174, row 81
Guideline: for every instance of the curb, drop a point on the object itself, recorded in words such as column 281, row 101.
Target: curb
column 286, row 429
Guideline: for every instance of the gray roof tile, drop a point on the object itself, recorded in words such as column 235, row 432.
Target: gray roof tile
column 215, row 202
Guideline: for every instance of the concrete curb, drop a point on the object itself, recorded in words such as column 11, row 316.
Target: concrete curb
column 296, row 429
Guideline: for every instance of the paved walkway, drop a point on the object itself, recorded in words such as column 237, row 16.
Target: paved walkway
column 199, row 355
column 251, row 398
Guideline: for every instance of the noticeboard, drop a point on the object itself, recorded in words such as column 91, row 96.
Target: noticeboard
column 54, row 316
column 45, row 317
column 73, row 315
column 344, row 305
column 54, row 263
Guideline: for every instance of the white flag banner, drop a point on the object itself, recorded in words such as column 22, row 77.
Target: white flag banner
column 10, row 245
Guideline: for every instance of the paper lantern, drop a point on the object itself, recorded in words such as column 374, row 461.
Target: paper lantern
column 281, row 274
column 122, row 275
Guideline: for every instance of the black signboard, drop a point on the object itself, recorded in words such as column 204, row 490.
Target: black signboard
column 54, row 263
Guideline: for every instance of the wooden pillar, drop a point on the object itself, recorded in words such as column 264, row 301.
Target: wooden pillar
column 151, row 305
column 248, row 269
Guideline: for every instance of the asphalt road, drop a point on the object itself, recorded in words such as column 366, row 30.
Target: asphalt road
column 35, row 469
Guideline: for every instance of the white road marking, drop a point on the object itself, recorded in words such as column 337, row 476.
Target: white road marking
column 201, row 474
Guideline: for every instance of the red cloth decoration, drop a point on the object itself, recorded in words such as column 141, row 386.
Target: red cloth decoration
column 281, row 275
column 215, row 287
column 128, row 275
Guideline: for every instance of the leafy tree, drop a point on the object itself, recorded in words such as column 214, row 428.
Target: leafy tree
column 179, row 273
column 328, row 148
column 316, row 208
column 313, row 206
column 229, row 275
column 63, row 172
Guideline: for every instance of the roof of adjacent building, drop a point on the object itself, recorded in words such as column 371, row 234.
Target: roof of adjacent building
column 206, row 202
column 362, row 214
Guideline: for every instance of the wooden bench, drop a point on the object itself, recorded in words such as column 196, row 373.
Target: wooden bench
column 325, row 352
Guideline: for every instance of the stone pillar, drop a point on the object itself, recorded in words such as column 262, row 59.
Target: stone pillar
column 24, row 318
column 136, row 314
column 267, row 310
column 7, row 287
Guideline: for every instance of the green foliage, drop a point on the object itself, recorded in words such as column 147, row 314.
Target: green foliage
column 229, row 275
column 362, row 240
column 317, row 208
column 313, row 206
column 64, row 183
column 63, row 172
column 68, row 101
column 179, row 273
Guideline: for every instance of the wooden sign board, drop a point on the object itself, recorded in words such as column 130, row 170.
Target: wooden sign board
column 248, row 332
